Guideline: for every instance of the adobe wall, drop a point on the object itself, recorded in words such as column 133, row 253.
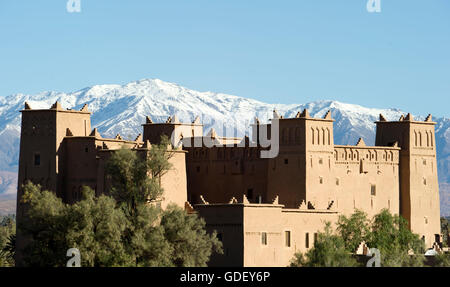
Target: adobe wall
column 366, row 178
column 220, row 173
column 241, row 229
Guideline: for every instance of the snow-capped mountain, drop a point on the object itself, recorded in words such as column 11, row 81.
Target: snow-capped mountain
column 122, row 109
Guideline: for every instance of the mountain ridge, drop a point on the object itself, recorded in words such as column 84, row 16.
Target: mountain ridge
column 123, row 108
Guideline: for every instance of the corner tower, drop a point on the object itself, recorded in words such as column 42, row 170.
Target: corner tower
column 419, row 189
column 42, row 155
column 303, row 166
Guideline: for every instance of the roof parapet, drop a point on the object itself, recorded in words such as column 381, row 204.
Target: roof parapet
column 138, row 138
column 188, row 207
column 196, row 120
column 303, row 205
column 327, row 115
column 56, row 106
column 233, row 200
column 409, row 118
column 275, row 200
column 175, row 120
column 148, row 120
column 361, row 142
column 203, row 200
column 429, row 118
column 27, row 106
column 118, row 137
column 85, row 108
column 245, row 199
column 95, row 133
column 305, row 114
column 382, row 118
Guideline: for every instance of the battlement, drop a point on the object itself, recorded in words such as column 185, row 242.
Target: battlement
column 244, row 202
column 407, row 119
column 56, row 107
column 172, row 128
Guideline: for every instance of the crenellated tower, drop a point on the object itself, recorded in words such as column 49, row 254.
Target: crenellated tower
column 419, row 189
column 303, row 166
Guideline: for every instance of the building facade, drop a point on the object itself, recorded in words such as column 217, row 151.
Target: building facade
column 264, row 209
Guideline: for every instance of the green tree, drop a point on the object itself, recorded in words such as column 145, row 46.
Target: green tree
column 136, row 176
column 329, row 251
column 445, row 231
column 391, row 235
column 386, row 232
column 96, row 228
column 191, row 246
column 354, row 229
column 441, row 260
column 7, row 240
column 155, row 237
column 46, row 226
column 124, row 229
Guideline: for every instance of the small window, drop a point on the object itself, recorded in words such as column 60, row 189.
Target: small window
column 286, row 161
column 219, row 237
column 37, row 159
column 373, row 190
column 321, row 180
column 307, row 240
column 198, row 168
column 264, row 238
column 250, row 193
column 315, row 238
column 86, row 149
column 287, row 236
column 337, row 181
column 424, row 162
column 424, row 181
column 320, row 161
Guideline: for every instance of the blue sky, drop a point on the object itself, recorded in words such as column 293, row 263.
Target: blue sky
column 273, row 51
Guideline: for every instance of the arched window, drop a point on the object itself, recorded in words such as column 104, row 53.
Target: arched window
column 312, row 135
column 329, row 136
column 318, row 136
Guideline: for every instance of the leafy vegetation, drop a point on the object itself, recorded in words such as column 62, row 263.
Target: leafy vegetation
column 123, row 229
column 7, row 240
column 386, row 232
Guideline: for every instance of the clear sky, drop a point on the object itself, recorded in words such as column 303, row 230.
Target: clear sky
column 274, row 51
